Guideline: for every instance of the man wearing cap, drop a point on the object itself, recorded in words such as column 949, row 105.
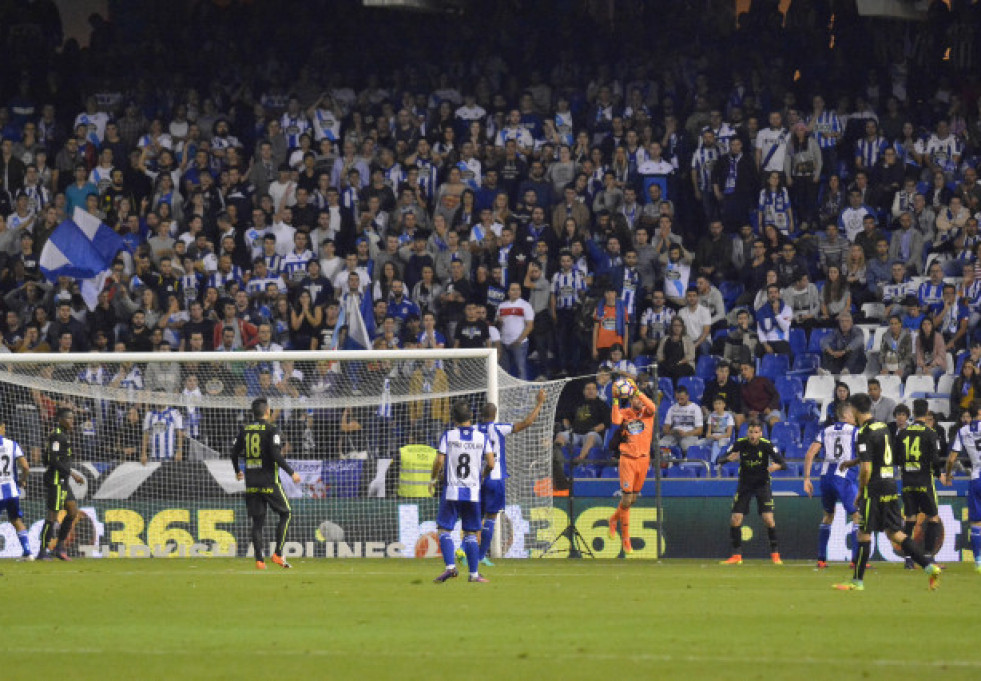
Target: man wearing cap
column 843, row 350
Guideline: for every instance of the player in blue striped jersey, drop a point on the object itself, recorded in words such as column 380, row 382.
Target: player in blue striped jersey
column 969, row 440
column 839, row 483
column 11, row 459
column 464, row 458
column 492, row 497
column 163, row 435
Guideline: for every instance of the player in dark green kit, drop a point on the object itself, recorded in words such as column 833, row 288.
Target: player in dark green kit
column 921, row 455
column 878, row 496
column 58, row 493
column 261, row 444
column 757, row 459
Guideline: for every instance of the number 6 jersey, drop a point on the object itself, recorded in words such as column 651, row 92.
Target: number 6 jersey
column 464, row 448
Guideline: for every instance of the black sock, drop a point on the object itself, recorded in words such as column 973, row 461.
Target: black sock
column 864, row 551
column 909, row 548
column 771, row 532
column 46, row 535
column 930, row 538
column 910, row 528
column 258, row 522
column 64, row 531
column 736, row 536
column 284, row 521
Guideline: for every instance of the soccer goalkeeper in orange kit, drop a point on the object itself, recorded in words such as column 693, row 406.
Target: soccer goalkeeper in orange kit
column 636, row 433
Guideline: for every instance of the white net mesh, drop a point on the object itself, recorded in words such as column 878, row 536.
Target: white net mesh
column 153, row 436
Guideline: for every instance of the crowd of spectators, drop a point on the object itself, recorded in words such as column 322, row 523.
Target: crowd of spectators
column 646, row 197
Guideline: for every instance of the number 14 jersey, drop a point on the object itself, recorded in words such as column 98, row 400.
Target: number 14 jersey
column 464, row 448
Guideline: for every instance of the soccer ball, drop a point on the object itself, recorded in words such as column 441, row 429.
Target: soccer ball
column 623, row 388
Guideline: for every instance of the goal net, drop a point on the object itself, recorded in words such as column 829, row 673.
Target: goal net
column 153, row 436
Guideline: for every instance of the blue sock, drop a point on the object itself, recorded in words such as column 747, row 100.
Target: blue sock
column 22, row 536
column 824, row 534
column 486, row 537
column 472, row 550
column 446, row 547
column 854, row 543
column 976, row 542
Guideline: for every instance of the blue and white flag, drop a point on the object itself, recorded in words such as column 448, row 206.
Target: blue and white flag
column 81, row 247
column 359, row 319
column 385, row 405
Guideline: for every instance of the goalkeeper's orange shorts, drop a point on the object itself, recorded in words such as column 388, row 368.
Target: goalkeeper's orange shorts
column 633, row 473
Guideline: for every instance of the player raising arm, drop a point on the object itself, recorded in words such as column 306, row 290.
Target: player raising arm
column 757, row 459
column 969, row 440
column 461, row 451
column 492, row 488
column 11, row 459
column 58, row 494
column 261, row 443
column 878, row 496
column 637, row 428
column 839, row 481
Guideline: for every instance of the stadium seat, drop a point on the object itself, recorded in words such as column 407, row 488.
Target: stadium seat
column 729, row 469
column 803, row 411
column 662, row 409
column 875, row 311
column 811, row 431
column 721, row 333
column 666, row 387
column 773, row 366
column 699, row 453
column 705, row 367
column 798, row 341
column 730, row 291
column 642, row 362
column 695, row 385
column 610, row 472
column 944, row 384
column 792, row 471
column 814, row 342
column 795, row 452
column 892, row 386
column 694, row 469
column 784, row 435
column 857, row 383
column 805, row 365
column 940, row 407
column 820, row 388
column 790, row 389
column 918, row 384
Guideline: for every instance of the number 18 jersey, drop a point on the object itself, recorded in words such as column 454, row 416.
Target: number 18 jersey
column 464, row 449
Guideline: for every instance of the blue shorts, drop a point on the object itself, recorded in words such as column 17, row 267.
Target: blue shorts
column 836, row 488
column 974, row 501
column 467, row 511
column 12, row 507
column 492, row 497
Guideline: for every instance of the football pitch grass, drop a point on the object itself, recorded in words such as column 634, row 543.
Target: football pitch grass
column 188, row 619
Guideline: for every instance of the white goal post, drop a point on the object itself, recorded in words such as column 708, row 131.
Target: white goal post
column 154, row 432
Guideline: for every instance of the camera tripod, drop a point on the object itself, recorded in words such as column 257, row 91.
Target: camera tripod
column 578, row 546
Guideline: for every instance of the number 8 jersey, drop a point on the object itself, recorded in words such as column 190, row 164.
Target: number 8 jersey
column 464, row 448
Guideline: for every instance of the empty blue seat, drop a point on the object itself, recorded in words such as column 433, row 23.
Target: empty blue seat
column 790, row 389
column 730, row 291
column 699, row 453
column 773, row 366
column 662, row 409
column 806, row 365
column 642, row 362
column 610, row 472
column 785, row 434
column 705, row 367
column 666, row 387
column 686, row 470
column 729, row 470
column 695, row 386
column 814, row 342
column 803, row 411
column 798, row 341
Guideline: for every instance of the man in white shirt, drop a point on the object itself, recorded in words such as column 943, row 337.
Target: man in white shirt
column 683, row 424
column 516, row 319
column 698, row 321
column 771, row 145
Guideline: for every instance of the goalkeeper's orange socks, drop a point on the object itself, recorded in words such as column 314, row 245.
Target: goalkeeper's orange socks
column 624, row 514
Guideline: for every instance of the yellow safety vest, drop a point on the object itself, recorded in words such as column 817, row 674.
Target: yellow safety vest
column 416, row 470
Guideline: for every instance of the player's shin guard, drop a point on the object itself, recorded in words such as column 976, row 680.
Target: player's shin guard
column 861, row 558
column 909, row 548
column 930, row 537
column 771, row 533
column 22, row 538
column 472, row 549
column 258, row 523
column 736, row 537
column 486, row 537
column 281, row 526
column 976, row 543
column 824, row 535
column 446, row 548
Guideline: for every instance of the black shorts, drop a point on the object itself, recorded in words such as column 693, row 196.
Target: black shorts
column 764, row 499
column 257, row 498
column 57, row 493
column 920, row 500
column 881, row 513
